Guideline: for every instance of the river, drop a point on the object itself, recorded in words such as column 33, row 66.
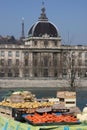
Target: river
column 81, row 94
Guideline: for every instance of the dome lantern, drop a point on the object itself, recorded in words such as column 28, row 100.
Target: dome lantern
column 43, row 15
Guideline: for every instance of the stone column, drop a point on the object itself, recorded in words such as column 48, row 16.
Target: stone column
column 39, row 64
column 51, row 69
column 6, row 62
column 31, row 64
column 60, row 64
column 20, row 73
column 21, row 64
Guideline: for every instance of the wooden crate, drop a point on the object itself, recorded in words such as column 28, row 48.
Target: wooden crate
column 2, row 110
column 66, row 94
column 6, row 110
column 67, row 97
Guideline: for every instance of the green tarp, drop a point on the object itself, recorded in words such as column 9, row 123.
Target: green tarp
column 11, row 124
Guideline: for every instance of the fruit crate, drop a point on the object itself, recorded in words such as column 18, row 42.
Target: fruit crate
column 6, row 110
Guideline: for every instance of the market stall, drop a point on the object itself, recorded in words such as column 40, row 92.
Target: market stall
column 22, row 111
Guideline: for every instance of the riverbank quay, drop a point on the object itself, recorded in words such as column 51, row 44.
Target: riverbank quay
column 13, row 83
column 26, row 83
column 7, row 123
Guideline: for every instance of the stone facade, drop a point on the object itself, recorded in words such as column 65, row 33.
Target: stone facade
column 34, row 61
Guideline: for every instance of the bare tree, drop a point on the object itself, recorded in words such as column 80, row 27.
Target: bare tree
column 70, row 66
column 73, row 71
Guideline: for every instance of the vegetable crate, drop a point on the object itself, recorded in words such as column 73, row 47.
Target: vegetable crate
column 6, row 110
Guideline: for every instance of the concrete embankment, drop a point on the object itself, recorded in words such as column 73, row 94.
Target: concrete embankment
column 13, row 83
column 33, row 83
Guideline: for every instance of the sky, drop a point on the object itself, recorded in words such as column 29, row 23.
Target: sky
column 69, row 16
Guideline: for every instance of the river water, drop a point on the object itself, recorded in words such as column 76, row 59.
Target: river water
column 81, row 94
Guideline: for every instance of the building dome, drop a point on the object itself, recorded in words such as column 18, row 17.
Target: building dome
column 43, row 27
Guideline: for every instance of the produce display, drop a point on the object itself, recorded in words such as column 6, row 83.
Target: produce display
column 38, row 112
column 21, row 96
column 23, row 99
column 34, row 104
column 50, row 117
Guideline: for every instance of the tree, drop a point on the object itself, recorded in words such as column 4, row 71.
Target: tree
column 70, row 67
column 73, row 71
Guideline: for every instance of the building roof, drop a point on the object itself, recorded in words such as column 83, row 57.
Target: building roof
column 9, row 40
column 43, row 27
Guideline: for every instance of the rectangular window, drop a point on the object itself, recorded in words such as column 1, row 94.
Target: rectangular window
column 17, row 73
column 35, row 55
column 17, row 61
column 55, row 73
column 85, row 62
column 35, row 43
column 64, row 72
column 45, row 73
column 17, row 53
column 9, row 73
column 9, row 53
column 80, row 54
column 55, row 43
column 26, row 72
column 2, row 62
column 2, row 53
column 79, row 62
column 46, row 61
column 26, row 62
column 35, row 73
column 2, row 73
column 9, row 62
column 55, row 62
column 26, row 53
column 35, row 63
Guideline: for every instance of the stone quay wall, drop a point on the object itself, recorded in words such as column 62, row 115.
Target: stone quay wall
column 23, row 83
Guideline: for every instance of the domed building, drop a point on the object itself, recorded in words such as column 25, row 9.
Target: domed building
column 41, row 54
column 44, row 41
